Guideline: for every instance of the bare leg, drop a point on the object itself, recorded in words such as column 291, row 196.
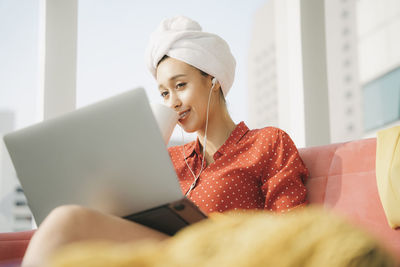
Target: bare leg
column 68, row 224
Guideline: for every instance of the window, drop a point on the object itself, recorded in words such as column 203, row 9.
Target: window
column 381, row 100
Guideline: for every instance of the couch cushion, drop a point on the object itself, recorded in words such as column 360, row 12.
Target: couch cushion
column 342, row 178
column 13, row 246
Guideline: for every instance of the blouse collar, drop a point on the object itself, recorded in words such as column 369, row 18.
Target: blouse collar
column 240, row 130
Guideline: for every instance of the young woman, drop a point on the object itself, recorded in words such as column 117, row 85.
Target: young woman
column 228, row 167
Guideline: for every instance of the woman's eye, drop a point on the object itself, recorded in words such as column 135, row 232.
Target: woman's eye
column 164, row 94
column 180, row 85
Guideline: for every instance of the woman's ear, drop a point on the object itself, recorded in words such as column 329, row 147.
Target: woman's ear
column 218, row 87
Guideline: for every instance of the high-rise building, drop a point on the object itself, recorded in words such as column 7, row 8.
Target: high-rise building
column 14, row 212
column 7, row 176
column 360, row 55
column 378, row 25
column 275, row 89
column 262, row 69
column 342, row 64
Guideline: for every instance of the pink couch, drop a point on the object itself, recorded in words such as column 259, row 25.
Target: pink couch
column 13, row 246
column 342, row 178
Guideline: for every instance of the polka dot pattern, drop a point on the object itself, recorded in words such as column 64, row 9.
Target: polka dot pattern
column 253, row 169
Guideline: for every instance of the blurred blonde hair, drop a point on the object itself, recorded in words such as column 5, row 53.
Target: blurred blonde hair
column 310, row 237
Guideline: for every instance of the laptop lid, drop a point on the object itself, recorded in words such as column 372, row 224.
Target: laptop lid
column 109, row 156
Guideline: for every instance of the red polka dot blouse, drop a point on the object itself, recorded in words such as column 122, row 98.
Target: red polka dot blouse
column 253, row 169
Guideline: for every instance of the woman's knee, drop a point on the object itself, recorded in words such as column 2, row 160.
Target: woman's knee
column 68, row 221
column 67, row 214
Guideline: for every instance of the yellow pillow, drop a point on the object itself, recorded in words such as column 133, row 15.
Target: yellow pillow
column 309, row 237
column 388, row 173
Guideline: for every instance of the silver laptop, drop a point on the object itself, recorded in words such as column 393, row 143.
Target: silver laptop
column 109, row 156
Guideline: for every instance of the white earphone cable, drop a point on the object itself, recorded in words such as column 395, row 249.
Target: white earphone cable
column 204, row 149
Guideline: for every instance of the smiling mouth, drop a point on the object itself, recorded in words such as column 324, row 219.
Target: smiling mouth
column 183, row 115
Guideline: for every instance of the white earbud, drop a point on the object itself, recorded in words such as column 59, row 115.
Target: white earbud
column 214, row 81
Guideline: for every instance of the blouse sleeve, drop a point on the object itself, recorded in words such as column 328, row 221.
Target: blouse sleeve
column 284, row 176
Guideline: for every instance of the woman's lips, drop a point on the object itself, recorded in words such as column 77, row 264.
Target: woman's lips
column 184, row 115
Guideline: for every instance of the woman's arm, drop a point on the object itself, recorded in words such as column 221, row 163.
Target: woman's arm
column 284, row 175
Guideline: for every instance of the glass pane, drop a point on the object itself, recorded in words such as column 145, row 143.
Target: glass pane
column 381, row 100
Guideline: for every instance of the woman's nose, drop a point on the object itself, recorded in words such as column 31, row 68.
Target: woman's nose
column 174, row 102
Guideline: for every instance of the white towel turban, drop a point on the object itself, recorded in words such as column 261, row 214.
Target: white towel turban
column 183, row 39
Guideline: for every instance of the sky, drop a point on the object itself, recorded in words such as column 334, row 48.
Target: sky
column 112, row 37
column 19, row 59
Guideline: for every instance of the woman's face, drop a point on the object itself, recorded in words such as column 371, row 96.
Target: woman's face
column 185, row 90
